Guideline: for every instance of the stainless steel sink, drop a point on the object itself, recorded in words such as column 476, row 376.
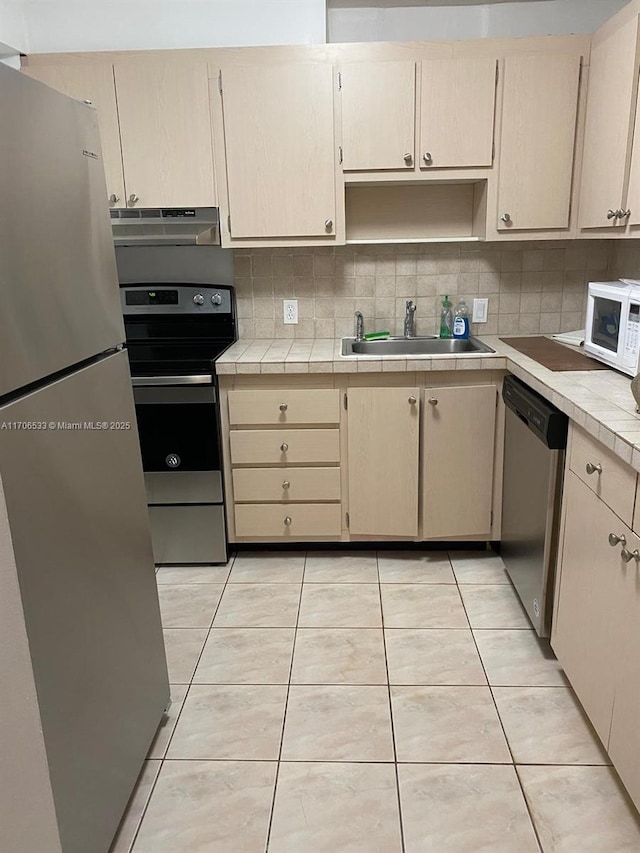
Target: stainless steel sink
column 413, row 346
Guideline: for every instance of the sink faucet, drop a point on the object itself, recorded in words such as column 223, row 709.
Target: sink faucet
column 359, row 326
column 410, row 320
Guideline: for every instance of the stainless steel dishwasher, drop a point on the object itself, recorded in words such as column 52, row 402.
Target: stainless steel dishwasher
column 534, row 450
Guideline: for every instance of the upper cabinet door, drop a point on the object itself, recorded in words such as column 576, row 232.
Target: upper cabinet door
column 165, row 128
column 612, row 83
column 94, row 83
column 456, row 115
column 633, row 195
column 540, row 105
column 280, row 150
column 378, row 115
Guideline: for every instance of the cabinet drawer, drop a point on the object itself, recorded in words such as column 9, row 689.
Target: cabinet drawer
column 615, row 483
column 286, row 484
column 284, row 407
column 263, row 520
column 255, row 446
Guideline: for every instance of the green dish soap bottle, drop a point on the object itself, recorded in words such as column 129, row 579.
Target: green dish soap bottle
column 446, row 319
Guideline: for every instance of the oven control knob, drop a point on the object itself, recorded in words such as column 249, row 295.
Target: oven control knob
column 198, row 299
column 216, row 299
column 173, row 460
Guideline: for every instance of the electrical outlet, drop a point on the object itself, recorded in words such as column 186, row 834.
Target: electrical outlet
column 290, row 310
column 480, row 311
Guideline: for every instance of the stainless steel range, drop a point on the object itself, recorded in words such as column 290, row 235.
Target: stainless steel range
column 174, row 333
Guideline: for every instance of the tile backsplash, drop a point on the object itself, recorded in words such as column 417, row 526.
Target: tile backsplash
column 625, row 259
column 532, row 287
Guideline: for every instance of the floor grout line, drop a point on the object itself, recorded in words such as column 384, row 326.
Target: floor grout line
column 393, row 731
column 504, row 733
column 188, row 690
column 286, row 705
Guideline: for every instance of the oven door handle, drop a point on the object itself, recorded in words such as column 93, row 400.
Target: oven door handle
column 142, row 381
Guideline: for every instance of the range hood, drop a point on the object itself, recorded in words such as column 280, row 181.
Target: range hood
column 173, row 226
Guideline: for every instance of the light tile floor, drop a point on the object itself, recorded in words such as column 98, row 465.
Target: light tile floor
column 367, row 702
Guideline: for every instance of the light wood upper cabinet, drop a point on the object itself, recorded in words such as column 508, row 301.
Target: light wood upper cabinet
column 378, row 115
column 633, row 196
column 155, row 128
column 540, row 102
column 456, row 112
column 458, row 441
column 613, row 76
column 280, row 150
column 165, row 129
column 92, row 83
column 383, row 461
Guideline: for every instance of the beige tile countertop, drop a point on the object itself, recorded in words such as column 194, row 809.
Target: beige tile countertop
column 600, row 401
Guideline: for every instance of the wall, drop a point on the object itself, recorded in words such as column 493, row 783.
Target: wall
column 625, row 259
column 350, row 21
column 531, row 287
column 13, row 33
column 86, row 25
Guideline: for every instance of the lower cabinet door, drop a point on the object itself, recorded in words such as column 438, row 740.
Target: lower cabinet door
column 624, row 742
column 289, row 520
column 383, row 461
column 458, row 440
column 585, row 629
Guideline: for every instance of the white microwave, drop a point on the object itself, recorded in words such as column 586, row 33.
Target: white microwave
column 612, row 328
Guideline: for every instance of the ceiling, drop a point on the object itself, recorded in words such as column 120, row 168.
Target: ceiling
column 349, row 4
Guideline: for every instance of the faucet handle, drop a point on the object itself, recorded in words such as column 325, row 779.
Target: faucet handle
column 410, row 305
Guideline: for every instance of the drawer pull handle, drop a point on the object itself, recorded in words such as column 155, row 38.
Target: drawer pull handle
column 284, row 447
column 287, row 521
column 617, row 540
column 627, row 556
column 591, row 468
column 283, row 407
column 286, row 484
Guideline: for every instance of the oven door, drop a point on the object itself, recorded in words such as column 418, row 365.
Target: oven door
column 178, row 425
column 607, row 310
column 179, row 440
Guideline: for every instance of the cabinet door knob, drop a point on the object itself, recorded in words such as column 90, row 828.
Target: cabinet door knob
column 427, row 157
column 284, row 447
column 591, row 468
column 114, row 199
column 133, row 198
column 412, row 401
column 408, row 158
column 506, row 217
column 432, row 401
column 286, row 484
column 612, row 214
column 287, row 520
column 627, row 555
column 283, row 407
column 87, row 102
column 328, row 224
column 622, row 214
column 617, row 540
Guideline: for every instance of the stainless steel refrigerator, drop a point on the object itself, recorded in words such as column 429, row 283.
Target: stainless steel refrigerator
column 82, row 661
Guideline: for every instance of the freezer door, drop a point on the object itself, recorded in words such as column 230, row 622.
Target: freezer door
column 79, row 527
column 58, row 279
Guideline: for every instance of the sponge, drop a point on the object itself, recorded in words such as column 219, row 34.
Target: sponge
column 377, row 336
